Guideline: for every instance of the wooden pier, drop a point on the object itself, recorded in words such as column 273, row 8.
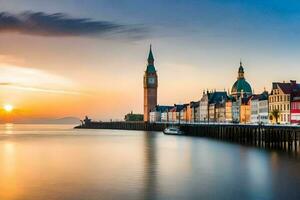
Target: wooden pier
column 267, row 136
column 281, row 137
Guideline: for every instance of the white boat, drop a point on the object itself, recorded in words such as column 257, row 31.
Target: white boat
column 173, row 131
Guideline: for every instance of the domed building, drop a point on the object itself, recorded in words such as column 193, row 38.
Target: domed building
column 241, row 87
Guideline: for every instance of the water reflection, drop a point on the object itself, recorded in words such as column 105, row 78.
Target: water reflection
column 8, row 128
column 8, row 173
column 150, row 166
column 62, row 163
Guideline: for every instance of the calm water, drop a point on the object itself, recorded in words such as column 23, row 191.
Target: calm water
column 39, row 162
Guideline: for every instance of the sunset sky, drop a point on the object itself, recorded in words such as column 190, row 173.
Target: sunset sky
column 76, row 58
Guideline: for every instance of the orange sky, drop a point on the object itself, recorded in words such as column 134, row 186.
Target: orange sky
column 58, row 77
column 59, row 74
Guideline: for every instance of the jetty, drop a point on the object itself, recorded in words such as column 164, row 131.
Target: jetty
column 271, row 136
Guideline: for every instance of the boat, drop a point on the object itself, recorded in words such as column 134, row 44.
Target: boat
column 173, row 131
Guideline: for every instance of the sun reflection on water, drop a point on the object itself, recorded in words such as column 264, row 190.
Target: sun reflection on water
column 8, row 181
column 8, row 128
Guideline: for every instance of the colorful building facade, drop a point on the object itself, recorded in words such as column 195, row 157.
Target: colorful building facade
column 295, row 110
column 280, row 100
column 203, row 107
column 259, row 108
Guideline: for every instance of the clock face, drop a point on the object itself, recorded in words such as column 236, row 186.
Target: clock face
column 151, row 80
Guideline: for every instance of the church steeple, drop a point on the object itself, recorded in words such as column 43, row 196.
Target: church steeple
column 150, row 57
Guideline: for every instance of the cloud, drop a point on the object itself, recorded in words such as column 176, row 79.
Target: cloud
column 37, row 89
column 34, row 80
column 10, row 59
column 60, row 24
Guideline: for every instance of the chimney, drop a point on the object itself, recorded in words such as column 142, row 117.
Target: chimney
column 293, row 82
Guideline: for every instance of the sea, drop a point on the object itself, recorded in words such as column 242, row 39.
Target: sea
column 57, row 162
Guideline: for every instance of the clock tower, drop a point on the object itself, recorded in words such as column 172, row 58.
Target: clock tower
column 150, row 87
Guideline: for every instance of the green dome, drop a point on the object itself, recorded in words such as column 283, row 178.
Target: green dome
column 241, row 85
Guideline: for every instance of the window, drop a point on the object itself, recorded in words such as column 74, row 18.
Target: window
column 288, row 106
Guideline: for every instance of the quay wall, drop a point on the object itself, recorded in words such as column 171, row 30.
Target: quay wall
column 259, row 135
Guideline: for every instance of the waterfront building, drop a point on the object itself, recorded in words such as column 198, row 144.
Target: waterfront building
column 212, row 112
column 170, row 115
column 156, row 114
column 280, row 99
column 221, row 112
column 165, row 116
column 195, row 111
column 254, row 104
column 228, row 109
column 185, row 113
column 203, row 107
column 259, row 108
column 245, row 110
column 150, row 87
column 216, row 106
column 175, row 113
column 295, row 110
column 241, row 86
column 130, row 117
column 236, row 111
column 188, row 113
column 263, row 110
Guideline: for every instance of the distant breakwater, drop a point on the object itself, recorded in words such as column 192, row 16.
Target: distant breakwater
column 269, row 136
column 139, row 126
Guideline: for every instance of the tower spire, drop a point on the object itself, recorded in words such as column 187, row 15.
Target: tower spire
column 241, row 70
column 150, row 56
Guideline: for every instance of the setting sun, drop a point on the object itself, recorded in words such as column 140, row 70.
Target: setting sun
column 8, row 107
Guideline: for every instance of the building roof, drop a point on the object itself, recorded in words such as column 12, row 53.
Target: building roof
column 255, row 97
column 241, row 85
column 194, row 104
column 231, row 98
column 178, row 107
column 150, row 66
column 287, row 88
column 241, row 69
column 159, row 108
column 264, row 96
column 217, row 97
column 150, row 56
